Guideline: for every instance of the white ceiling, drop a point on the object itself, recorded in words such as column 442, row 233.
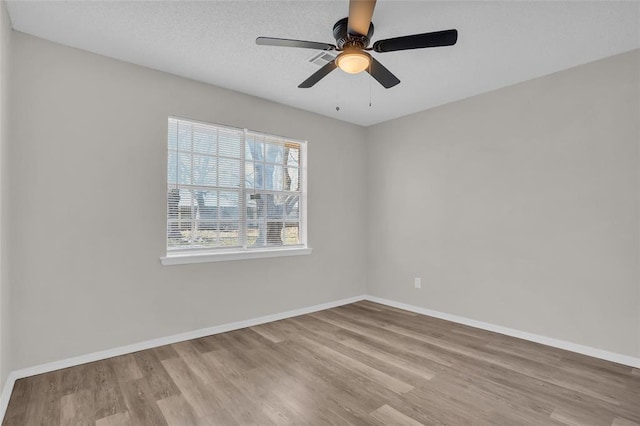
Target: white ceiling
column 499, row 43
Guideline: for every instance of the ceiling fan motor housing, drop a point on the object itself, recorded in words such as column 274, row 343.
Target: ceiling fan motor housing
column 344, row 39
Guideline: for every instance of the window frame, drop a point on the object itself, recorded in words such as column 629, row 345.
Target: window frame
column 214, row 254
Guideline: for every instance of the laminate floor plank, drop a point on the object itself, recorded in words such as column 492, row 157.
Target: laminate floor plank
column 323, row 328
column 165, row 352
column 197, row 362
column 17, row 409
column 374, row 364
column 315, row 383
column 408, row 343
column 43, row 407
column 119, row 419
column 513, row 386
column 142, row 406
column 580, row 418
column 209, row 343
column 383, row 308
column 74, row 379
column 413, row 368
column 177, row 411
column 77, row 409
column 268, row 331
column 314, row 394
column 324, row 381
column 125, row 368
column 618, row 421
column 358, row 364
column 152, row 369
column 390, row 416
column 194, row 389
column 108, row 395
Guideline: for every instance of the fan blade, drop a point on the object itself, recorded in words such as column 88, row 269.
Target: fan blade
column 382, row 75
column 417, row 41
column 360, row 14
column 284, row 42
column 318, row 75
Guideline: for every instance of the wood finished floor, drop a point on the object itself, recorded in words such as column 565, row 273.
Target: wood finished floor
column 362, row 364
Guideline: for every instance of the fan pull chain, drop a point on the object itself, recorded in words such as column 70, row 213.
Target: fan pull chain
column 338, row 94
column 369, row 79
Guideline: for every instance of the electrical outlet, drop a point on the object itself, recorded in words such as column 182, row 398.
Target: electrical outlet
column 417, row 281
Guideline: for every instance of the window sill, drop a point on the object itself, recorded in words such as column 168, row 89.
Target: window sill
column 181, row 259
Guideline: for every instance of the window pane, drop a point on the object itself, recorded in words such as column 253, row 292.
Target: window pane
column 172, row 166
column 252, row 207
column 204, row 140
column 172, row 135
column 181, row 213
column 184, row 168
column 253, row 231
column 176, row 233
column 293, row 155
column 203, row 237
column 229, row 234
column 186, row 205
column 291, row 234
column 203, row 232
column 249, row 175
column 274, row 153
column 291, row 208
column 258, row 176
column 204, row 170
column 173, row 201
column 229, row 210
column 265, row 224
column 229, row 206
column 184, row 136
column 229, row 143
column 202, row 219
column 254, row 150
column 274, row 207
column 292, row 179
column 228, row 173
column 207, row 205
column 274, row 233
column 273, row 177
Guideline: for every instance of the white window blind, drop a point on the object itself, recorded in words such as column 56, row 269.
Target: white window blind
column 233, row 189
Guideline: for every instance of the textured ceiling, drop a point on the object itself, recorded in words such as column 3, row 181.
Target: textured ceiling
column 500, row 43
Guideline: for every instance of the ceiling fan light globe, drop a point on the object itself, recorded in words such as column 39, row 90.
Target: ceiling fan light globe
column 353, row 61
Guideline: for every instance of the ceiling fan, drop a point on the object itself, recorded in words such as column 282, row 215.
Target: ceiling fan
column 352, row 36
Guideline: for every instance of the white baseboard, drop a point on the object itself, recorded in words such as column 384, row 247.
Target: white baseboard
column 181, row 337
column 148, row 344
column 548, row 341
column 6, row 393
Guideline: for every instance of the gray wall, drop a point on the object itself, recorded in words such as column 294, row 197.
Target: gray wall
column 89, row 150
column 5, row 330
column 519, row 207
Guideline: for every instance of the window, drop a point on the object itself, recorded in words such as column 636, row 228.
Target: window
column 233, row 191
